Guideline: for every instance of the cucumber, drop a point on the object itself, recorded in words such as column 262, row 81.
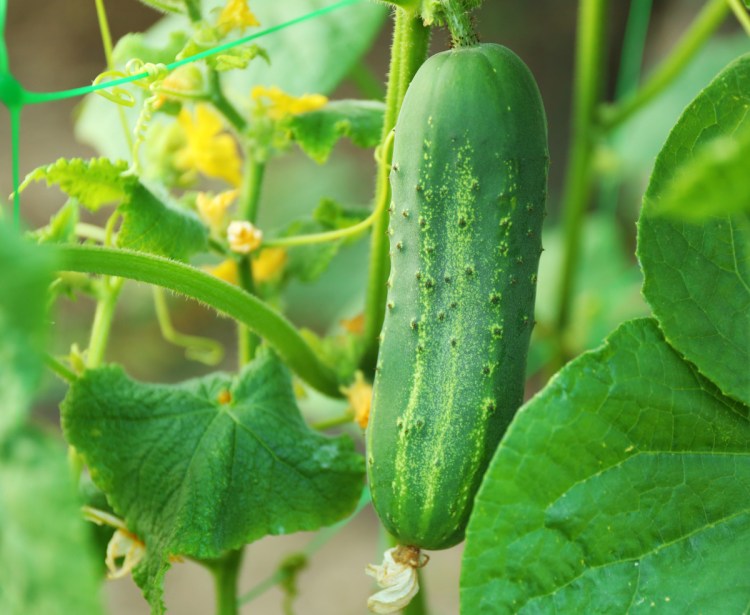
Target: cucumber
column 468, row 178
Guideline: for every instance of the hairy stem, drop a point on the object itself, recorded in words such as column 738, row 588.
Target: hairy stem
column 410, row 42
column 215, row 293
column 590, row 53
column 459, row 23
column 705, row 24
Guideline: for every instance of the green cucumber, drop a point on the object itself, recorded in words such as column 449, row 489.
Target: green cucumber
column 469, row 181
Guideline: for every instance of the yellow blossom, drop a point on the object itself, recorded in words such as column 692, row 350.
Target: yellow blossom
column 268, row 264
column 208, row 149
column 243, row 237
column 355, row 324
column 236, row 16
column 279, row 104
column 226, row 270
column 359, row 394
column 213, row 208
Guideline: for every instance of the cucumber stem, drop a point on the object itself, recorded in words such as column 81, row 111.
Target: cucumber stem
column 458, row 20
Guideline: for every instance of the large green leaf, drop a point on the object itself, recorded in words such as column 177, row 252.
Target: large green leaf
column 157, row 226
column 316, row 132
column 46, row 561
column 624, row 486
column 697, row 276
column 206, row 466
column 25, row 272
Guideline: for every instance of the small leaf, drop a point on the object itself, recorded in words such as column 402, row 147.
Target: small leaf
column 697, row 276
column 25, row 274
column 318, row 131
column 47, row 564
column 206, row 466
column 95, row 182
column 624, row 486
column 156, row 226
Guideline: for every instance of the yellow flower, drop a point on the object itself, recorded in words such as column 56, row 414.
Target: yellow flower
column 208, row 149
column 213, row 208
column 236, row 16
column 278, row 104
column 243, row 237
column 226, row 270
column 268, row 264
column 359, row 395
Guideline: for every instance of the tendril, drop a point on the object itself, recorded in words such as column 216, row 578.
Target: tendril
column 118, row 94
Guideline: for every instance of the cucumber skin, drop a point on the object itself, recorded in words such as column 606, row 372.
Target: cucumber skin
column 468, row 179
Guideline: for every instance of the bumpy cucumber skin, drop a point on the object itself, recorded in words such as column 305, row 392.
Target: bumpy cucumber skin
column 469, row 181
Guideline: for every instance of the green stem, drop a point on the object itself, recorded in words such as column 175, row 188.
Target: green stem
column 459, row 24
column 59, row 369
column 418, row 604
column 254, row 174
column 410, row 42
column 705, row 24
column 247, row 342
column 203, row 349
column 336, row 421
column 215, row 293
column 313, row 238
column 741, row 13
column 633, row 45
column 590, row 53
column 193, row 10
column 105, row 312
column 223, row 104
column 225, row 572
column 628, row 77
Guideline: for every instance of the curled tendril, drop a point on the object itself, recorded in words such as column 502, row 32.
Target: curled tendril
column 118, row 94
column 155, row 72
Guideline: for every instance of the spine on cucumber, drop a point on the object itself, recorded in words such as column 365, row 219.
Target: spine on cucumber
column 469, row 181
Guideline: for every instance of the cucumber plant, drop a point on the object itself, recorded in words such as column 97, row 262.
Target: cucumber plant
column 620, row 484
